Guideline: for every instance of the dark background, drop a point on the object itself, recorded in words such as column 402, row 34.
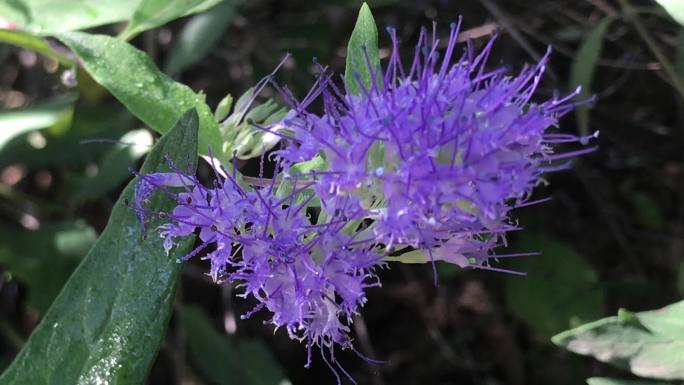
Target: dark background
column 611, row 237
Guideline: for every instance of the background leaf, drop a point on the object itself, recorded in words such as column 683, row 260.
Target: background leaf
column 566, row 289
column 364, row 39
column 136, row 82
column 34, row 43
column 44, row 259
column 153, row 13
column 20, row 121
column 225, row 361
column 675, row 8
column 649, row 344
column 199, row 36
column 108, row 322
column 583, row 68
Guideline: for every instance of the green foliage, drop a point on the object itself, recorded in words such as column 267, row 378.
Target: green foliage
column 583, row 68
column 362, row 52
column 153, row 13
column 131, row 77
column 225, row 361
column 560, row 287
column 56, row 114
column 649, row 344
column 107, row 323
column 47, row 17
column 199, row 36
column 44, row 259
column 675, row 8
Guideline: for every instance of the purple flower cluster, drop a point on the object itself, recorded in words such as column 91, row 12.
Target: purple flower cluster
column 310, row 276
column 430, row 160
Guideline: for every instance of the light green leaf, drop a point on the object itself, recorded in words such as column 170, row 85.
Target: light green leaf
column 33, row 43
column 565, row 289
column 363, row 42
column 44, row 259
column 153, row 13
column 132, row 78
column 583, row 67
column 20, row 121
column 649, row 344
column 48, row 17
column 199, row 36
column 675, row 8
column 616, row 381
column 225, row 361
column 107, row 323
column 45, row 17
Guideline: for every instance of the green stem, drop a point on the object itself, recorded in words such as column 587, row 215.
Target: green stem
column 34, row 43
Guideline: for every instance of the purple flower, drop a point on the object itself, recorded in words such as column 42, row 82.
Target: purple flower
column 307, row 272
column 438, row 152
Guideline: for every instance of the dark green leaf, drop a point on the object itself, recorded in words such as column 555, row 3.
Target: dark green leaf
column 153, row 13
column 583, row 67
column 132, row 78
column 363, row 55
column 560, row 287
column 649, row 344
column 224, row 361
column 44, row 259
column 107, row 323
column 199, row 36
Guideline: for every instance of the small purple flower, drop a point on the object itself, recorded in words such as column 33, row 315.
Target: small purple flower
column 309, row 274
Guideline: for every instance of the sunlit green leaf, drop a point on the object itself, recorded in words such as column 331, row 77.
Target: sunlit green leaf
column 363, row 55
column 675, row 8
column 616, row 381
column 20, row 121
column 649, row 344
column 108, row 321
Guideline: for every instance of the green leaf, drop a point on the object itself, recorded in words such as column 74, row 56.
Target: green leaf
column 57, row 112
column 649, row 344
column 133, row 79
column 44, row 259
column 45, row 17
column 583, row 67
column 225, row 361
column 153, row 13
column 363, row 41
column 616, row 381
column 107, row 323
column 566, row 289
column 675, row 8
column 48, row 17
column 199, row 37
column 34, row 43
